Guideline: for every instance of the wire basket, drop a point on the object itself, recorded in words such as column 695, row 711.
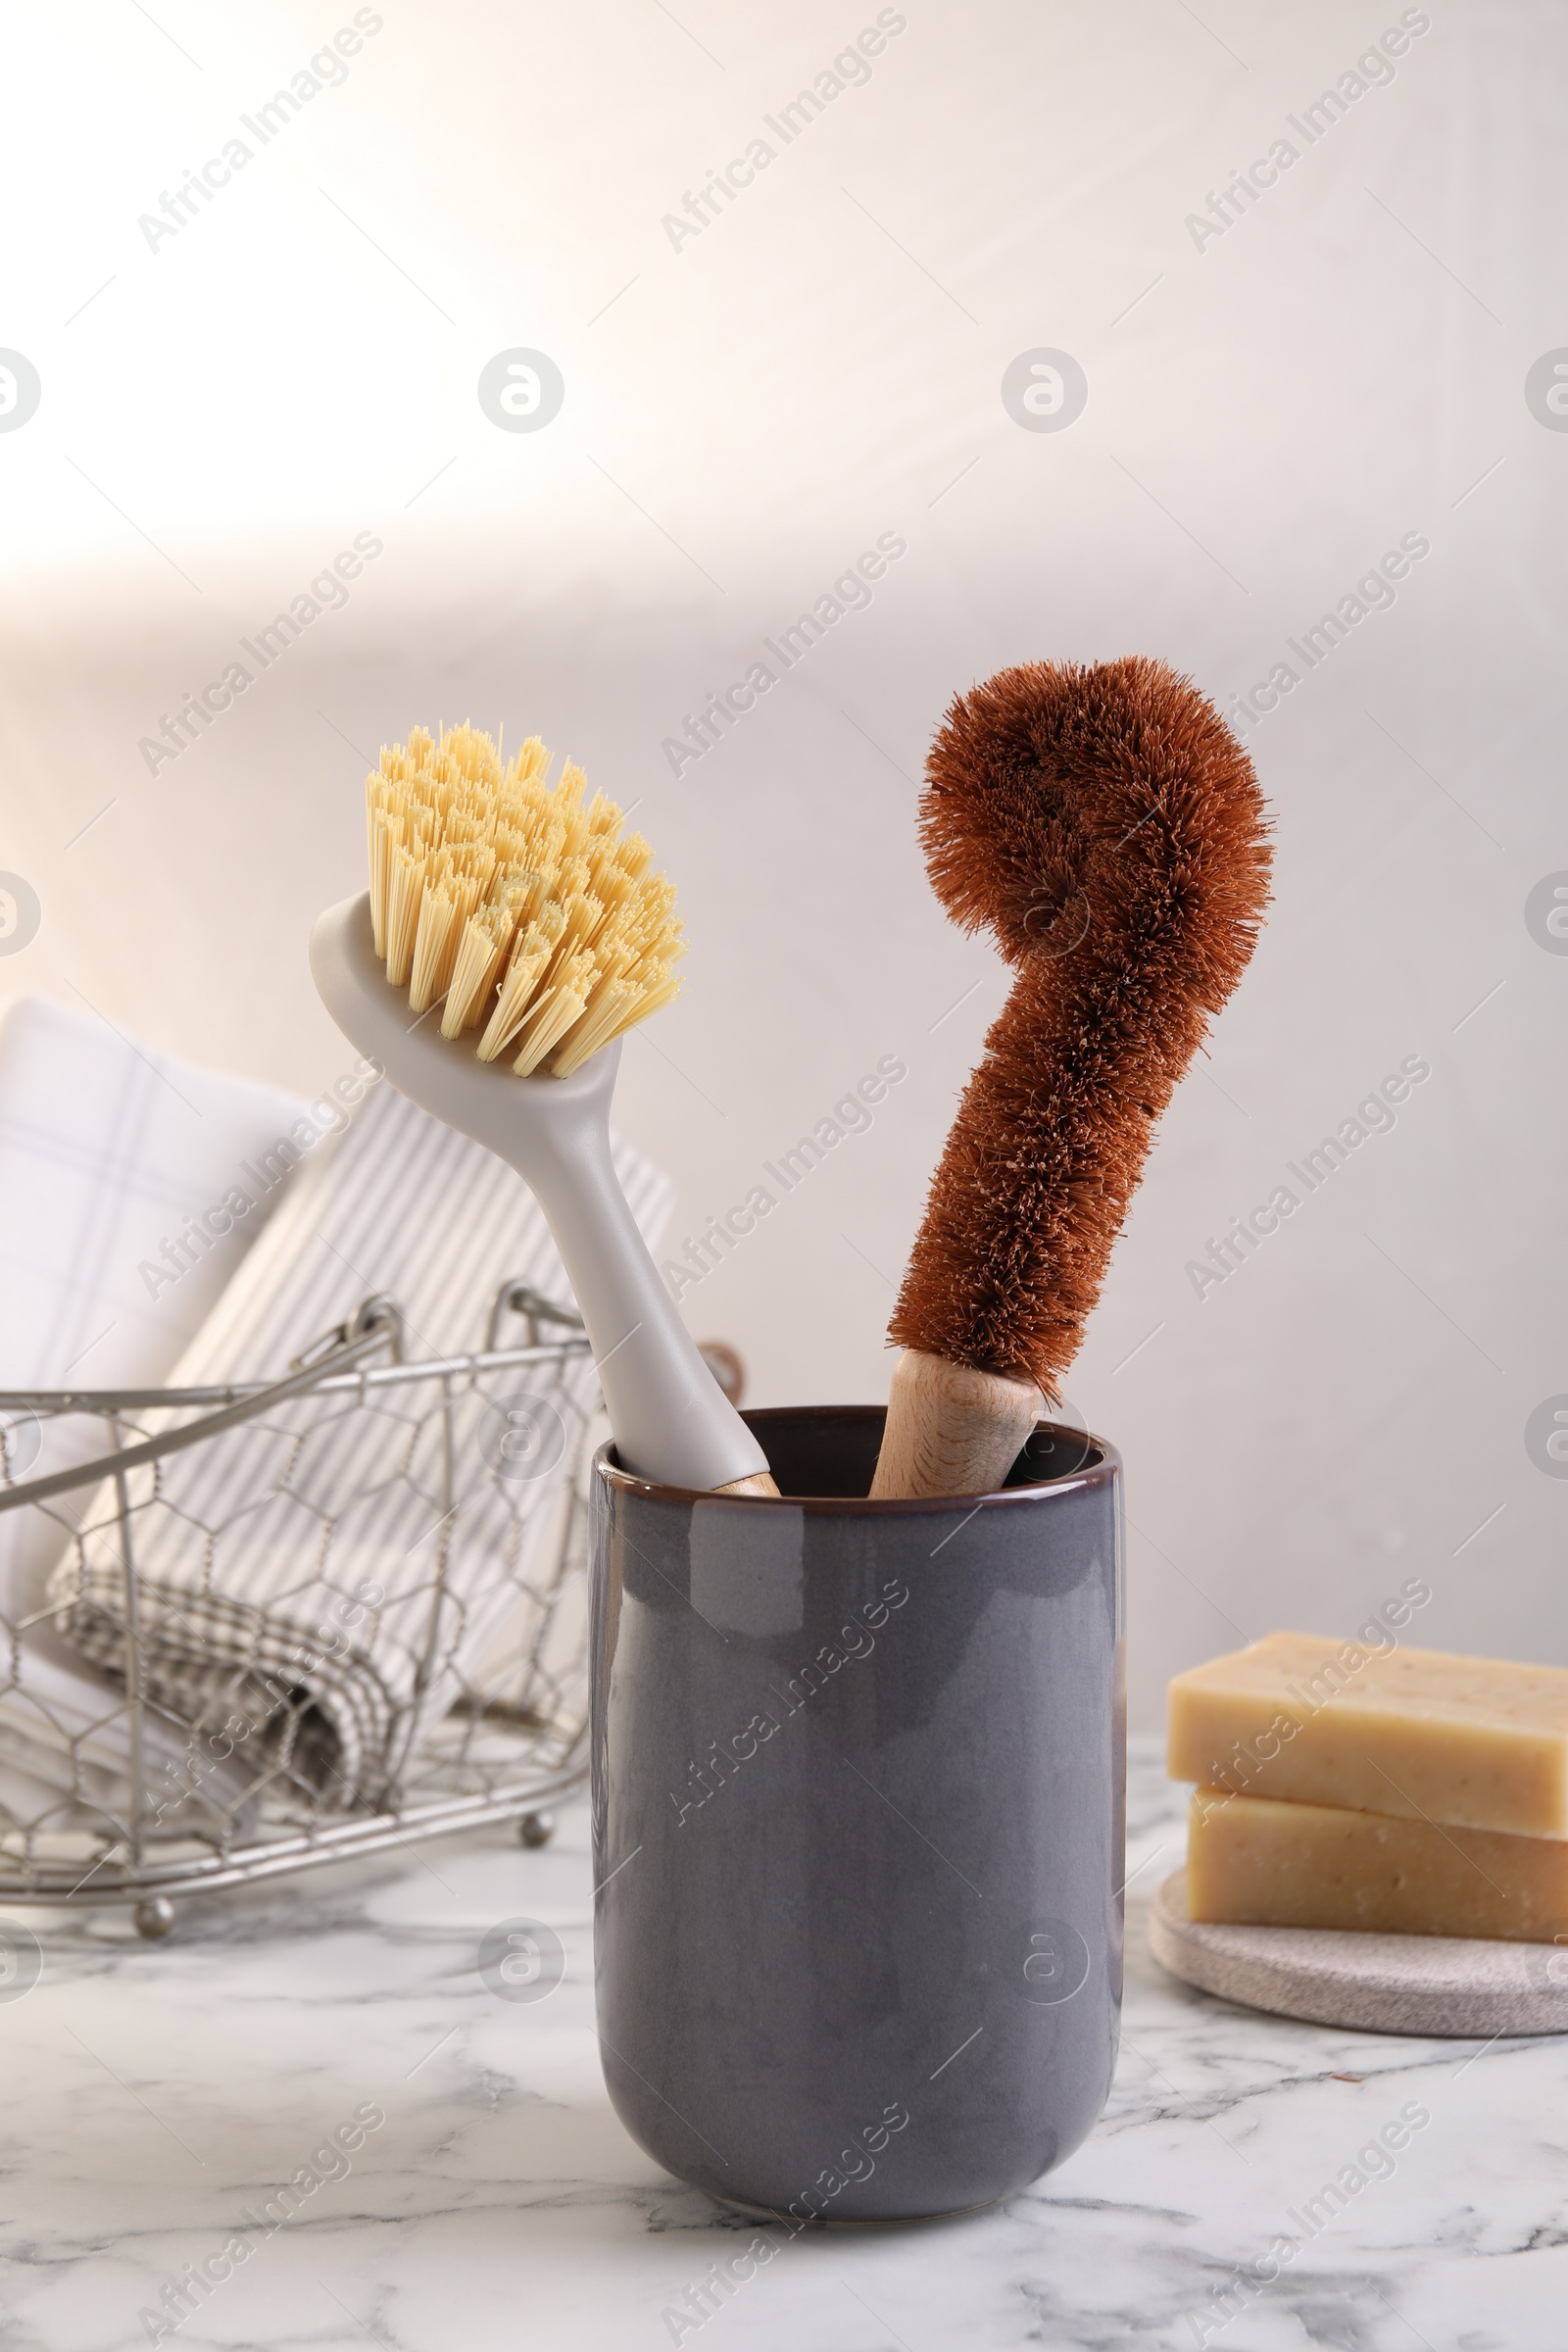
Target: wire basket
column 417, row 1663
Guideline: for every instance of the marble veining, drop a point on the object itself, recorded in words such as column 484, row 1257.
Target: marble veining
column 159, row 2097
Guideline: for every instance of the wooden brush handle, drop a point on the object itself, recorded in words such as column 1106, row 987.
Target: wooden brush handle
column 760, row 1483
column 950, row 1429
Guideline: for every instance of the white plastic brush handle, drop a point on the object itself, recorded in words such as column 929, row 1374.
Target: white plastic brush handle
column 671, row 1420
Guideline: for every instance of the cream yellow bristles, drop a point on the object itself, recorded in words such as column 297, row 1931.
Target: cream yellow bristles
column 556, row 1010
column 525, row 914
column 486, row 936
column 520, row 983
column 450, row 897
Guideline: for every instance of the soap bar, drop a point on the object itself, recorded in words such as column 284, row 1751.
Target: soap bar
column 1414, row 1732
column 1256, row 1861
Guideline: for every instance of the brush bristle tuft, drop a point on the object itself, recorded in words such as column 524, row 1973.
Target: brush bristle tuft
column 513, row 906
column 1106, row 826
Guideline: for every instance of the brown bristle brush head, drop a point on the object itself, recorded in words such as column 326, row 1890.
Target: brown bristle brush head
column 1104, row 824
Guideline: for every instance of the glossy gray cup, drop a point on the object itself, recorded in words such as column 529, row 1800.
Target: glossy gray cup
column 858, row 1792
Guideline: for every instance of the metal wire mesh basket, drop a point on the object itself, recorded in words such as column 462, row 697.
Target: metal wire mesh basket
column 295, row 1621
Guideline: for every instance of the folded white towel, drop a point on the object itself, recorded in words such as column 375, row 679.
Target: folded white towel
column 116, row 1164
column 123, row 1211
column 308, row 1590
column 110, row 1151
column 65, row 1761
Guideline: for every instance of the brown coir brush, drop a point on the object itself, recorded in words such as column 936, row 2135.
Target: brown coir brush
column 1107, row 827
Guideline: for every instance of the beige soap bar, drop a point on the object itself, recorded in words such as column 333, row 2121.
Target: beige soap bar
column 1253, row 1861
column 1414, row 1732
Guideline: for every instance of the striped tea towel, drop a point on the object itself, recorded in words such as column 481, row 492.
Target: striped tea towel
column 309, row 1586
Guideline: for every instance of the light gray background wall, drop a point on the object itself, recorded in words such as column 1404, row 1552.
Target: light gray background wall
column 1267, row 413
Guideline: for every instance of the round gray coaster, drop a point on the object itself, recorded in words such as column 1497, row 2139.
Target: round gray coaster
column 1454, row 1984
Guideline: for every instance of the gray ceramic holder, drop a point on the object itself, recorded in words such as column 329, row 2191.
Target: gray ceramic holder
column 858, row 1782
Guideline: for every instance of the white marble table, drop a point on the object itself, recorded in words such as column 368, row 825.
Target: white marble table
column 155, row 2095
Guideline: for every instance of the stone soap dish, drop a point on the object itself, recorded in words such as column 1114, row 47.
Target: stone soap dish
column 1455, row 1985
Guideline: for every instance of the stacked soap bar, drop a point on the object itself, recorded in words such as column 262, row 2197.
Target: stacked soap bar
column 1403, row 1790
